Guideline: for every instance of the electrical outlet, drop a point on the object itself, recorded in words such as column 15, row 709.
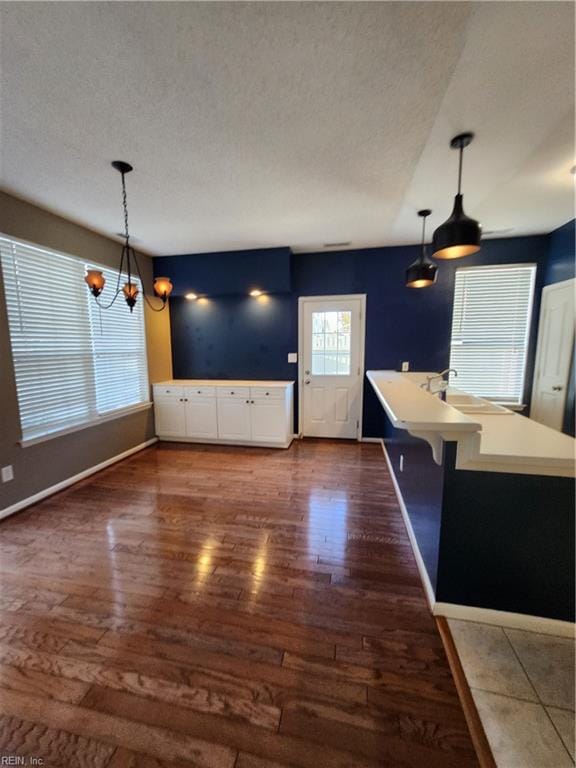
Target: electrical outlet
column 401, row 462
column 406, row 365
column 292, row 357
column 7, row 473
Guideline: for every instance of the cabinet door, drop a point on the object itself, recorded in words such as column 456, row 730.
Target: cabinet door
column 201, row 418
column 269, row 421
column 170, row 417
column 233, row 418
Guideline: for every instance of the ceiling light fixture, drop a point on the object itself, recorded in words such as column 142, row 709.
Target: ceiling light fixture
column 191, row 296
column 95, row 279
column 460, row 235
column 256, row 292
column 422, row 272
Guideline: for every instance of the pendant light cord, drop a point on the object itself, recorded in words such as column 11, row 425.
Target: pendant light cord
column 460, row 161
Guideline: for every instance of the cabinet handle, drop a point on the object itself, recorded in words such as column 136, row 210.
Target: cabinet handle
column 252, row 401
column 247, row 402
column 232, row 393
column 199, row 392
column 267, row 393
column 556, row 389
column 185, row 399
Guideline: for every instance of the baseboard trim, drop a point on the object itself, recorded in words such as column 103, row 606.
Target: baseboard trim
column 505, row 619
column 7, row 511
column 370, row 440
column 426, row 583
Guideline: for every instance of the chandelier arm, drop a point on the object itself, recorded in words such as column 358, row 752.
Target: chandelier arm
column 146, row 299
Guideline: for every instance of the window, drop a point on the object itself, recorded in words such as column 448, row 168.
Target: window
column 331, row 343
column 74, row 364
column 490, row 330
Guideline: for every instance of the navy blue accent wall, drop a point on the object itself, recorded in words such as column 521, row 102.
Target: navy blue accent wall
column 561, row 266
column 230, row 336
column 421, row 482
column 561, row 254
column 507, row 541
column 228, row 272
column 233, row 337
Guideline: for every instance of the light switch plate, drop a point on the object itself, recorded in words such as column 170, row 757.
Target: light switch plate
column 401, row 462
column 292, row 357
column 7, row 473
column 406, row 365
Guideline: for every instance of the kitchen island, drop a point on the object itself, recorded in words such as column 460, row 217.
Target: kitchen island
column 488, row 495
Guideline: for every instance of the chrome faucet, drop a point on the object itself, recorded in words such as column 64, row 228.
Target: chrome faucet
column 427, row 385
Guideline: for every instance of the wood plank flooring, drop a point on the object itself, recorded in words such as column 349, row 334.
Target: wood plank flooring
column 223, row 607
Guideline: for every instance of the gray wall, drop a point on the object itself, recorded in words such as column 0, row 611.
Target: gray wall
column 40, row 466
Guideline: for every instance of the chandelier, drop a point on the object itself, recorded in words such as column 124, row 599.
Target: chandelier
column 95, row 279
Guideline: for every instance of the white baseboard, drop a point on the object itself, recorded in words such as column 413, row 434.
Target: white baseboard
column 370, row 440
column 505, row 619
column 218, row 441
column 428, row 589
column 71, row 480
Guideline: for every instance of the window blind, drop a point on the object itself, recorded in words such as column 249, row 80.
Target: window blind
column 74, row 363
column 490, row 330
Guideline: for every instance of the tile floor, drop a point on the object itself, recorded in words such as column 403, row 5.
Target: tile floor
column 523, row 686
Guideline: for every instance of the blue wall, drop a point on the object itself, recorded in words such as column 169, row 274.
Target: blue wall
column 235, row 336
column 561, row 254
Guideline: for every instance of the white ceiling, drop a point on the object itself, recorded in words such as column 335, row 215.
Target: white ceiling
column 288, row 123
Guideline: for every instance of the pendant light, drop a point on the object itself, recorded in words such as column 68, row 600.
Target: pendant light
column 95, row 279
column 422, row 273
column 460, row 235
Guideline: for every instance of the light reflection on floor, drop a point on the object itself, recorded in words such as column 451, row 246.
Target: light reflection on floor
column 328, row 517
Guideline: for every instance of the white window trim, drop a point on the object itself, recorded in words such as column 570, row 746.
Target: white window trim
column 510, row 404
column 118, row 413
column 112, row 416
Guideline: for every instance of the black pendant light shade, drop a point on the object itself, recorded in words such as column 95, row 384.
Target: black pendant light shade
column 460, row 235
column 422, row 272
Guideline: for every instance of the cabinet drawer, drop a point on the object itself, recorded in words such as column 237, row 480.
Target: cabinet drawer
column 272, row 393
column 167, row 391
column 192, row 392
column 233, row 392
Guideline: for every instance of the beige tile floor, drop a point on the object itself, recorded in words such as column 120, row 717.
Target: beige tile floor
column 523, row 686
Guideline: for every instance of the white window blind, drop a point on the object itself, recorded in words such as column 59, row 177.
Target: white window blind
column 74, row 364
column 490, row 330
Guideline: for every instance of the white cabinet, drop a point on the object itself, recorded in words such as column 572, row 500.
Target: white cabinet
column 268, row 420
column 170, row 415
column 201, row 417
column 244, row 413
column 234, row 419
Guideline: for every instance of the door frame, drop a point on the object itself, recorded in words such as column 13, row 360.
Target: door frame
column 332, row 297
column 546, row 290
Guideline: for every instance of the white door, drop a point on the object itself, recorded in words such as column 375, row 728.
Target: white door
column 201, row 421
column 553, row 354
column 170, row 416
column 234, row 418
column 268, row 420
column 332, row 365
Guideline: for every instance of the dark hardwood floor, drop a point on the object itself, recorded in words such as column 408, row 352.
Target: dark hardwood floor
column 224, row 608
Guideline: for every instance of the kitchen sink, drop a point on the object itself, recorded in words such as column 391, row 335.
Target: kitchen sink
column 469, row 404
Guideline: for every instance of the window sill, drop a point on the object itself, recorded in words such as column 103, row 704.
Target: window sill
column 120, row 413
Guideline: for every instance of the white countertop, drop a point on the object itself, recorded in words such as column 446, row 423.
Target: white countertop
column 500, row 442
column 221, row 383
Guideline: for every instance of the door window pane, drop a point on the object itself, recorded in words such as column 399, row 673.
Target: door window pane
column 331, row 343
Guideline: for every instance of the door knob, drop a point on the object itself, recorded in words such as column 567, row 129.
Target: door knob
column 307, row 381
column 307, row 373
column 556, row 389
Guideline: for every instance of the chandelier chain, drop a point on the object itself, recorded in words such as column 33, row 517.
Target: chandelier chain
column 125, row 204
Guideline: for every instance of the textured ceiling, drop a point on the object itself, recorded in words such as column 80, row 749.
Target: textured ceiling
column 263, row 124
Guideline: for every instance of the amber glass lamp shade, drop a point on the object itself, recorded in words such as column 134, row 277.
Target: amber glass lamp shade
column 95, row 281
column 130, row 291
column 163, row 287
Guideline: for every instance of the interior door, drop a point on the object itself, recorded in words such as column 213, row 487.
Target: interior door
column 332, row 353
column 553, row 354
